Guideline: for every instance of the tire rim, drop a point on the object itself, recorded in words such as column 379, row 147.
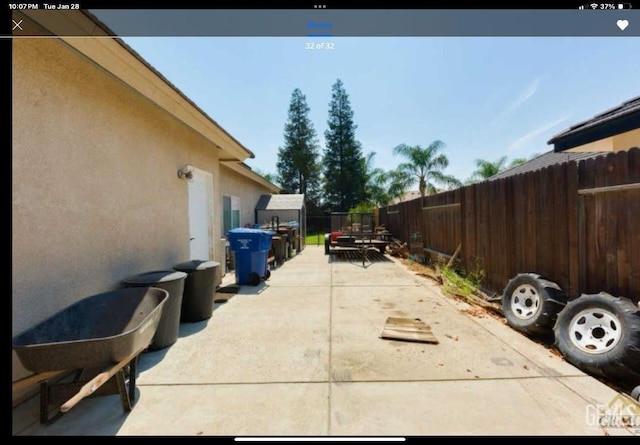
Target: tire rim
column 595, row 331
column 525, row 302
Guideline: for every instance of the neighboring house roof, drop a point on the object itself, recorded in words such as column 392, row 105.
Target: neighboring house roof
column 281, row 202
column 545, row 160
column 407, row 196
column 622, row 118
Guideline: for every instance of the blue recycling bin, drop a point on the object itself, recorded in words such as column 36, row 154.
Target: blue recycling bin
column 251, row 248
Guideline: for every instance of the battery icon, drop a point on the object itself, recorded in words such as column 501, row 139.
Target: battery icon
column 624, row 6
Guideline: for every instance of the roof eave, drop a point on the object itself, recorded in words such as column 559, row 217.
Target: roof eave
column 239, row 168
column 582, row 136
column 145, row 79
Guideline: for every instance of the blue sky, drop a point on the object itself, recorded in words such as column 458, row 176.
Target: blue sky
column 484, row 97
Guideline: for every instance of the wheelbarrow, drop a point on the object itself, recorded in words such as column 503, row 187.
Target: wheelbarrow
column 99, row 339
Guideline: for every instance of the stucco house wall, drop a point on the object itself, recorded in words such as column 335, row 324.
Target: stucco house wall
column 95, row 191
column 616, row 129
column 619, row 142
column 98, row 137
column 233, row 183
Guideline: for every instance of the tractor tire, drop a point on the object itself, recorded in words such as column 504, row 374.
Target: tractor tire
column 600, row 334
column 327, row 243
column 531, row 304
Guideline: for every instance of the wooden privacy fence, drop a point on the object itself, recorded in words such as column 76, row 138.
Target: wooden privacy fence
column 577, row 224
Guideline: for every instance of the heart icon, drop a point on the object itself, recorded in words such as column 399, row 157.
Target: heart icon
column 622, row 24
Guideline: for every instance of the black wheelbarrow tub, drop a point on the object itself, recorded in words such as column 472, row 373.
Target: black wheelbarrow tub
column 94, row 332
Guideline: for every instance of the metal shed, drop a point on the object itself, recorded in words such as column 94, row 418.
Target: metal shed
column 285, row 209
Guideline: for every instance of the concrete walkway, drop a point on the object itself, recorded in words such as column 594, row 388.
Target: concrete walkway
column 300, row 355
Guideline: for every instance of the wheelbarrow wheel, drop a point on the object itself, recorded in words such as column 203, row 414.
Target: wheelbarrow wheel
column 254, row 279
column 130, row 373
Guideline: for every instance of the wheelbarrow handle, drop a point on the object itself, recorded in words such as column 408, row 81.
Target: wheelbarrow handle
column 92, row 385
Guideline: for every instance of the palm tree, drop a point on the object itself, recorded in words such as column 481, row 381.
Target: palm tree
column 486, row 169
column 425, row 165
column 398, row 183
column 518, row 161
column 375, row 179
column 382, row 186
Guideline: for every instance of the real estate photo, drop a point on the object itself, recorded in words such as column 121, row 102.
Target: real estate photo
column 225, row 230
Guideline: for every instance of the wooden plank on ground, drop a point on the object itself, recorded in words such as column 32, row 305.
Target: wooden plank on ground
column 408, row 329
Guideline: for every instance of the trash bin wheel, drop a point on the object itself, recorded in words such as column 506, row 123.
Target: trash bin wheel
column 267, row 274
column 254, row 279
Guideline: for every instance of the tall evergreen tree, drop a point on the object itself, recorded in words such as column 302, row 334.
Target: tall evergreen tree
column 344, row 168
column 297, row 164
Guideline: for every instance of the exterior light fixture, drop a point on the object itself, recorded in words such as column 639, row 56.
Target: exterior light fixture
column 186, row 172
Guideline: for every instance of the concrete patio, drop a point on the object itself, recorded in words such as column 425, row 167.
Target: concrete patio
column 300, row 355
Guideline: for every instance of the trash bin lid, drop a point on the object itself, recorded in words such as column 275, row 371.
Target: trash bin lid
column 156, row 276
column 242, row 230
column 193, row 265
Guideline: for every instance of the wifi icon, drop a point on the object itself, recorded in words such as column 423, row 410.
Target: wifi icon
column 593, row 5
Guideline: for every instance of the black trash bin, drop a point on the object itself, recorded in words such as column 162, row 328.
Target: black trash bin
column 199, row 289
column 173, row 282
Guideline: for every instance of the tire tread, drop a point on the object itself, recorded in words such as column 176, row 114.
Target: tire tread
column 553, row 303
column 621, row 364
